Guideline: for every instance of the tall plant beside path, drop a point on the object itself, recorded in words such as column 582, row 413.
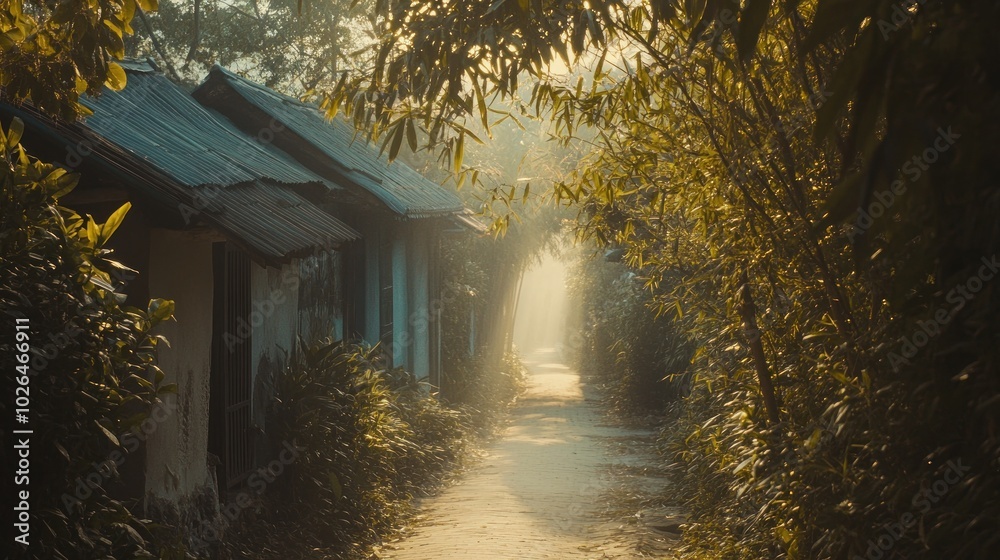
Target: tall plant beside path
column 617, row 336
column 367, row 439
column 774, row 150
column 90, row 373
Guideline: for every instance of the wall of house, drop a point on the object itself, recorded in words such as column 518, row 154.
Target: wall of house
column 275, row 320
column 437, row 304
column 411, row 254
column 372, row 284
column 402, row 334
column 321, row 293
column 179, row 481
column 420, row 319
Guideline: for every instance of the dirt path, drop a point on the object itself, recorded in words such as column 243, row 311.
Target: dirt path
column 543, row 490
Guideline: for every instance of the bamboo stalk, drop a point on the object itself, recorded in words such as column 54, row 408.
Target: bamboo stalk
column 748, row 312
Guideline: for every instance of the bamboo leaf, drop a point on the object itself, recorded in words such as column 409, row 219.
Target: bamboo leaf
column 411, row 134
column 397, row 139
column 459, row 152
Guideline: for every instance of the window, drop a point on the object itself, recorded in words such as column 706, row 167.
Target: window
column 230, row 422
column 354, row 287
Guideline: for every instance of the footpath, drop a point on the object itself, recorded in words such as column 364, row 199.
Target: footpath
column 557, row 484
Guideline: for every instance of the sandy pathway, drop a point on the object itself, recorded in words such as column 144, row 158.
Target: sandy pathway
column 539, row 491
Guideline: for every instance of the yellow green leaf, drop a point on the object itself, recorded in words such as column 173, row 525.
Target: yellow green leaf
column 113, row 221
column 459, row 152
column 14, row 133
column 116, row 77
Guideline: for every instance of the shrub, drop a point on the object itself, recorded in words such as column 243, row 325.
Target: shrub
column 369, row 438
column 92, row 373
column 641, row 357
column 485, row 392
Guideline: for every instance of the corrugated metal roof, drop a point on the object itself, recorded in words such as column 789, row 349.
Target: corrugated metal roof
column 468, row 220
column 277, row 221
column 155, row 132
column 158, row 122
column 400, row 187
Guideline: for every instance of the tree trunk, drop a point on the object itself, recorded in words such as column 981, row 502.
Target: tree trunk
column 196, row 38
column 156, row 43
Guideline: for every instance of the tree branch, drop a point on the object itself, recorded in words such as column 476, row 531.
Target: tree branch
column 156, row 44
column 196, row 39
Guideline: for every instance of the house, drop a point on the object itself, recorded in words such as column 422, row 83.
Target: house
column 402, row 220
column 222, row 225
column 263, row 236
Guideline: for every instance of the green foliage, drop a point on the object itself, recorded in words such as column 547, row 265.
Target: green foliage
column 481, row 278
column 92, row 374
column 289, row 45
column 640, row 356
column 52, row 52
column 730, row 137
column 370, row 438
column 434, row 65
column 480, row 282
column 485, row 390
column 713, row 173
column 731, row 182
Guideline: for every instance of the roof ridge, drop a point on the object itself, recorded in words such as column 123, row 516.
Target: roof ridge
column 144, row 65
column 229, row 74
column 357, row 136
column 402, row 188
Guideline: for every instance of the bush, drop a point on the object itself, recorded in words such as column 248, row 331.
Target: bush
column 641, row 357
column 368, row 439
column 92, row 373
column 484, row 392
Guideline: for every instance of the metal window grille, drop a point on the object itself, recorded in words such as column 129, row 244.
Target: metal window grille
column 353, row 271
column 231, row 413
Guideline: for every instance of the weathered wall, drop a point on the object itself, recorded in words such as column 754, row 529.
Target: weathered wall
column 178, row 479
column 321, row 297
column 402, row 336
column 420, row 319
column 274, row 299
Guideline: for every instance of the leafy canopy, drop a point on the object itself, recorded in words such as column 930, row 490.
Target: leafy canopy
column 52, row 52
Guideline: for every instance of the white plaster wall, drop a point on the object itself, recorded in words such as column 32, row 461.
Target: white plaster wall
column 420, row 319
column 180, row 269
